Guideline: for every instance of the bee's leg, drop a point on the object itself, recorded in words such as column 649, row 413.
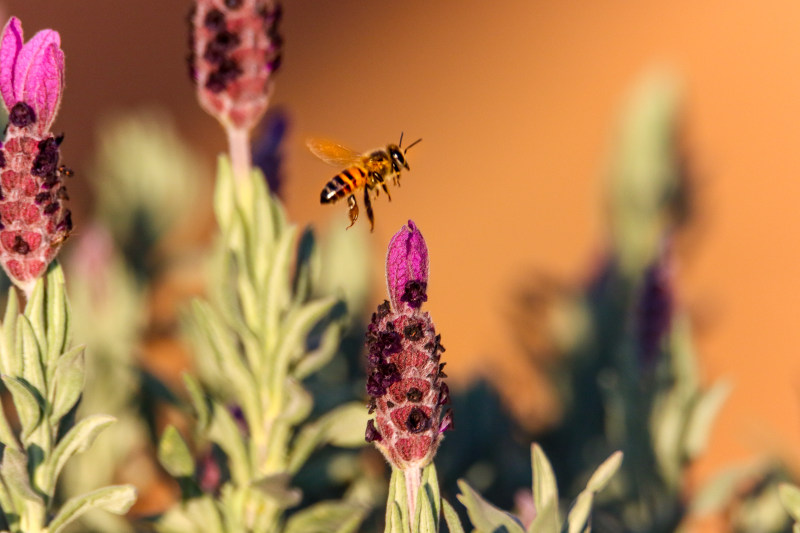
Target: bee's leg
column 379, row 179
column 396, row 179
column 368, row 204
column 353, row 210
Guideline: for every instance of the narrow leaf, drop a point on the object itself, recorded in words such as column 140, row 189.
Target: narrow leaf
column 790, row 498
column 57, row 312
column 344, row 426
column 14, row 471
column 545, row 491
column 703, row 415
column 327, row 517
column 28, row 406
column 227, row 435
column 32, row 369
column 117, row 499
column 68, row 382
column 34, row 311
column 174, row 454
column 10, row 363
column 451, row 518
column 604, row 472
column 485, row 517
column 77, row 440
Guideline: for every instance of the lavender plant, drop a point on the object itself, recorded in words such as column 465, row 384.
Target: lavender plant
column 407, row 396
column 262, row 332
column 42, row 372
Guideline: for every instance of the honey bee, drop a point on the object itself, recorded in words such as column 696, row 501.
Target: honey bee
column 368, row 171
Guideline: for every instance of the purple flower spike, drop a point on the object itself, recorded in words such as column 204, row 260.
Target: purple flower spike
column 32, row 73
column 407, row 268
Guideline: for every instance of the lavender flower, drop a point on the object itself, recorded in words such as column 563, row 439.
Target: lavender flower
column 654, row 309
column 405, row 373
column 33, row 221
column 235, row 47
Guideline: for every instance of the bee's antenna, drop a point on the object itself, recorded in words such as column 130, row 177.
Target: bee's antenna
column 401, row 140
column 410, row 145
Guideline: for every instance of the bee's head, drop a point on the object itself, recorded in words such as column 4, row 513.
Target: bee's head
column 398, row 158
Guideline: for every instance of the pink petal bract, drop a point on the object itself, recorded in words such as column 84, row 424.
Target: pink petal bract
column 32, row 72
column 406, row 260
column 10, row 46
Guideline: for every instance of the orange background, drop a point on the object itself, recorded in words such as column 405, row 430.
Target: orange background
column 517, row 102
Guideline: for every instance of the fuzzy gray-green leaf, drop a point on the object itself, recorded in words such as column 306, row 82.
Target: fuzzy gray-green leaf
column 485, row 517
column 227, row 435
column 29, row 407
column 327, row 517
column 35, row 312
column 430, row 485
column 278, row 286
column 545, row 491
column 77, row 440
column 67, row 382
column 343, row 426
column 578, row 517
column 174, row 454
column 117, row 499
column 604, row 472
column 702, row 417
column 10, row 363
column 790, row 498
column 199, row 401
column 451, row 517
column 57, row 313
column 14, row 472
column 32, row 369
column 314, row 360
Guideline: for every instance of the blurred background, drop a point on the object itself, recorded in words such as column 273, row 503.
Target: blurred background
column 519, row 106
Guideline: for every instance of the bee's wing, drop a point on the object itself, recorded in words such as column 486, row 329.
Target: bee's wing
column 333, row 153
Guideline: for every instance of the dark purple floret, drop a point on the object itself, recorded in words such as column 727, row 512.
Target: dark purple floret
column 214, row 20
column 49, row 209
column 414, row 395
column 46, row 162
column 66, row 222
column 21, row 115
column 372, row 433
column 654, row 313
column 2, row 157
column 413, row 331
column 444, row 394
column 20, row 246
column 447, row 422
column 217, row 49
column 42, row 197
column 226, row 72
column 414, row 294
column 417, row 421
column 233, row 4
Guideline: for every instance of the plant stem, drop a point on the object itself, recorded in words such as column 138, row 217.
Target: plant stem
column 413, row 477
column 239, row 148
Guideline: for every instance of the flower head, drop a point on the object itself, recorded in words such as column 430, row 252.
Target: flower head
column 33, row 221
column 405, row 383
column 235, row 47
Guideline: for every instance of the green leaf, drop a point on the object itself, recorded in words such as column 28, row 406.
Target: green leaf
column 199, row 401
column 117, row 499
column 14, row 472
column 545, row 492
column 278, row 286
column 28, row 404
column 34, row 312
column 485, row 517
column 344, row 426
column 227, row 435
column 578, row 517
column 430, row 487
column 32, row 369
column 321, row 356
column 295, row 330
column 702, row 417
column 297, row 405
column 198, row 515
column 77, row 440
column 604, row 472
column 397, row 520
column 57, row 313
column 67, row 383
column 451, row 517
column 790, row 498
column 327, row 517
column 174, row 454
column 10, row 363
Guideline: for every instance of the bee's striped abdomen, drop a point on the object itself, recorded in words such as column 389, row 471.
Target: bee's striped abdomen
column 342, row 184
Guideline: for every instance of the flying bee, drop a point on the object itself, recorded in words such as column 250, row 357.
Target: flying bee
column 368, row 171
